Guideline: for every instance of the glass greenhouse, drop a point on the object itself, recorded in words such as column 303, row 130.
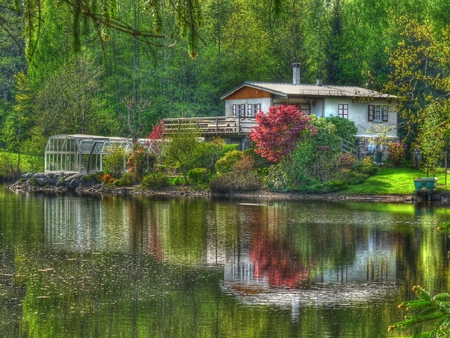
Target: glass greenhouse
column 80, row 153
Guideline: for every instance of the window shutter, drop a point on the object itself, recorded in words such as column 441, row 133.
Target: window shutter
column 385, row 113
column 371, row 113
column 242, row 111
column 249, row 110
column 234, row 110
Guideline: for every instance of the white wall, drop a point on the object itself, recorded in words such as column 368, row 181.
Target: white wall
column 265, row 104
column 357, row 112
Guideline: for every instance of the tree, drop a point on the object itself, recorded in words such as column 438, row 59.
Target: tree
column 315, row 159
column 279, row 131
column 421, row 71
column 182, row 148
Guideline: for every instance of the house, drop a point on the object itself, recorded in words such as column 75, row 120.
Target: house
column 366, row 107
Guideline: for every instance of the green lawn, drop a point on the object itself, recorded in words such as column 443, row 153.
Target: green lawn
column 394, row 181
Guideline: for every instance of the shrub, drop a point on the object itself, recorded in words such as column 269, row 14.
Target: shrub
column 366, row 167
column 356, row 180
column 7, row 169
column 107, row 178
column 226, row 148
column 197, row 175
column 230, row 183
column 276, row 179
column 336, row 185
column 347, row 160
column 176, row 180
column 138, row 161
column 125, row 180
column 396, row 153
column 114, row 160
column 97, row 178
column 226, row 163
column 155, row 180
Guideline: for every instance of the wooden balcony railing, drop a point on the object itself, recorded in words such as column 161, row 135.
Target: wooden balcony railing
column 219, row 125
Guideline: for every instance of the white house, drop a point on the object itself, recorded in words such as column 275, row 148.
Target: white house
column 367, row 108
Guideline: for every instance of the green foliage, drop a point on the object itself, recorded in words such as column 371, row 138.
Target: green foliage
column 345, row 128
column 226, row 148
column 126, row 179
column 316, row 159
column 426, row 309
column 139, row 160
column 227, row 162
column 155, row 180
column 336, row 185
column 176, row 181
column 115, row 160
column 242, row 178
column 276, row 178
column 197, row 176
column 182, row 149
column 7, row 167
column 432, row 135
column 366, row 167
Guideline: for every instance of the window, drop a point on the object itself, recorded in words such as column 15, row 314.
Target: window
column 378, row 113
column 253, row 109
column 239, row 110
column 343, row 111
column 304, row 107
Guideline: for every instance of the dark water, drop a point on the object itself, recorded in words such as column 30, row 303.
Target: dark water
column 89, row 266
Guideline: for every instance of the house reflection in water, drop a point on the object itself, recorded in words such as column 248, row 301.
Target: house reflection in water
column 268, row 260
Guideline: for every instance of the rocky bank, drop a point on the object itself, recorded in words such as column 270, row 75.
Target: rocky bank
column 63, row 182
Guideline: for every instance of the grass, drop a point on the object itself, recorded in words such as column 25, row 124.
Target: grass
column 394, row 181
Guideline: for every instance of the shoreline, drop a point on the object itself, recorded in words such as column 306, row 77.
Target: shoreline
column 70, row 182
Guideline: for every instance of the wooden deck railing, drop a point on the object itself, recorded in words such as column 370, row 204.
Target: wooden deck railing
column 219, row 125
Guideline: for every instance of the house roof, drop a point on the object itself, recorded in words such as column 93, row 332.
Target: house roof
column 290, row 89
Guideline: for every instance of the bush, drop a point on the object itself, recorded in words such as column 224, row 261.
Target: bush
column 7, row 168
column 114, row 160
column 155, row 180
column 138, row 161
column 176, row 180
column 96, row 178
column 230, row 183
column 197, row 176
column 347, row 160
column 336, row 185
column 107, row 178
column 226, row 163
column 125, row 180
column 276, row 179
column 366, row 167
column 396, row 153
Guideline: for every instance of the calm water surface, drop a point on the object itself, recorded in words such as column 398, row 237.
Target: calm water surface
column 87, row 266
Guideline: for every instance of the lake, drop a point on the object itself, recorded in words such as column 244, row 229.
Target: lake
column 133, row 266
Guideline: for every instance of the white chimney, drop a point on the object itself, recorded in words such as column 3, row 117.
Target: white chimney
column 296, row 73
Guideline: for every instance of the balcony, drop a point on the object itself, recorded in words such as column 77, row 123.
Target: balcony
column 223, row 126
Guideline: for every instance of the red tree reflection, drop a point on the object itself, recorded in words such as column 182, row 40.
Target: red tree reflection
column 277, row 260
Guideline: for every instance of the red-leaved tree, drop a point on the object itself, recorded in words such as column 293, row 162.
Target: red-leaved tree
column 155, row 136
column 279, row 131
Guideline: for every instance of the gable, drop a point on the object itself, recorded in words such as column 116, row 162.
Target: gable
column 248, row 93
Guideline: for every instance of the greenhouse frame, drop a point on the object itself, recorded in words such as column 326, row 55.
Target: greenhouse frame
column 80, row 153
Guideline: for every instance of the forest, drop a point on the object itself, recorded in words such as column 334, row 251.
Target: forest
column 116, row 67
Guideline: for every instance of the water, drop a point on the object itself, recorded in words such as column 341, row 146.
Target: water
column 87, row 266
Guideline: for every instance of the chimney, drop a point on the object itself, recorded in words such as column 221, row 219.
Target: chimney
column 318, row 82
column 296, row 73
